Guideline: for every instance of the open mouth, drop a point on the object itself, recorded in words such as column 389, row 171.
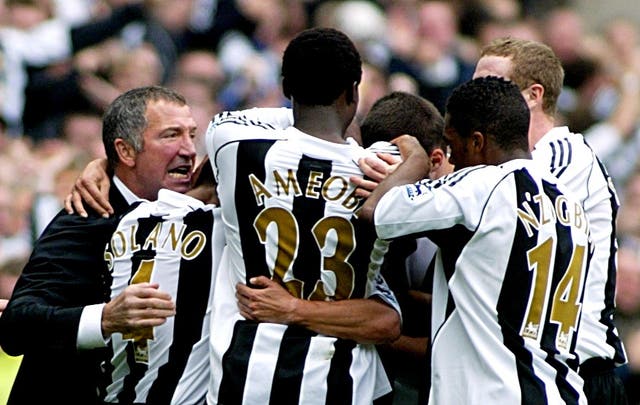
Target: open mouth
column 180, row 172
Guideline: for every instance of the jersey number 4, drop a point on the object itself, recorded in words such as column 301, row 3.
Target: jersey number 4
column 141, row 336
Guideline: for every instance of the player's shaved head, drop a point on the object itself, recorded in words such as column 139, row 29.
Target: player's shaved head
column 318, row 65
column 493, row 106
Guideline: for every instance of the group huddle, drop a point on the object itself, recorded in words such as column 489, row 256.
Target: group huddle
column 271, row 291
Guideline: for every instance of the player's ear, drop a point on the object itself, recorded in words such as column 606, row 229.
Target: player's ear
column 477, row 140
column 126, row 152
column 437, row 157
column 533, row 95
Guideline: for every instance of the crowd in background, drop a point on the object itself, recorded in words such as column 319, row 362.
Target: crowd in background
column 225, row 54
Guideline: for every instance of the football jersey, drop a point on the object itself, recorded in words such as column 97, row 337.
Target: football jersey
column 573, row 162
column 508, row 281
column 288, row 208
column 172, row 242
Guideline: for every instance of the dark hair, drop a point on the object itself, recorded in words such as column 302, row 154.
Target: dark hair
column 493, row 106
column 318, row 65
column 126, row 117
column 400, row 113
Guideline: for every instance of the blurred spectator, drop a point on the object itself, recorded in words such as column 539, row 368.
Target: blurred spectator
column 31, row 37
column 199, row 77
column 15, row 241
column 629, row 216
column 628, row 316
column 128, row 68
column 432, row 55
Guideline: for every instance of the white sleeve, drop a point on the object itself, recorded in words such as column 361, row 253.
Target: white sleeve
column 413, row 209
column 90, row 328
column 456, row 199
column 47, row 42
column 380, row 289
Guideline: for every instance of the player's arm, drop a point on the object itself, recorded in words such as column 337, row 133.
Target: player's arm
column 415, row 166
column 362, row 320
column 92, row 186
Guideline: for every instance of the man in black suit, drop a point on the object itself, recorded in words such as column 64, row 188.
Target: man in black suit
column 60, row 314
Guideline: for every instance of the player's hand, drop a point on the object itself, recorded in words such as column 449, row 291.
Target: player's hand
column 375, row 169
column 3, row 305
column 410, row 148
column 408, row 145
column 138, row 306
column 93, row 187
column 267, row 301
column 380, row 167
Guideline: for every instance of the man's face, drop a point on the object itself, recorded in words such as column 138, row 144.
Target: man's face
column 167, row 158
column 499, row 66
column 490, row 65
column 461, row 154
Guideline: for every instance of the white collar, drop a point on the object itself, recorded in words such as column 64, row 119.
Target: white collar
column 128, row 195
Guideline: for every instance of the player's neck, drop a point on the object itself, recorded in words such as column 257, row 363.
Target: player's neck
column 539, row 126
column 323, row 122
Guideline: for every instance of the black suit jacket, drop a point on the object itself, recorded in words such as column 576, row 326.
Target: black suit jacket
column 65, row 273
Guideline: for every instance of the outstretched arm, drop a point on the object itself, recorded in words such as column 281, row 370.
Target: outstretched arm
column 362, row 320
column 415, row 166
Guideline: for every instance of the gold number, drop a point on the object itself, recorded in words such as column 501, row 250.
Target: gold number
column 335, row 239
column 565, row 305
column 287, row 245
column 566, row 299
column 337, row 263
column 142, row 335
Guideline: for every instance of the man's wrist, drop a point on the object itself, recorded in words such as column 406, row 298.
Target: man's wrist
column 90, row 328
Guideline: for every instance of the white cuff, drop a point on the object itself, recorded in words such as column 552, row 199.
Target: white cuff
column 90, row 328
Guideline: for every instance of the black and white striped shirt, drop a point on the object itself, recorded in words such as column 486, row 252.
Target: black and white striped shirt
column 288, row 208
column 572, row 161
column 508, row 281
column 171, row 241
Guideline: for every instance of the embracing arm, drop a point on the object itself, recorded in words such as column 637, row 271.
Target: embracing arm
column 362, row 320
column 415, row 166
column 93, row 187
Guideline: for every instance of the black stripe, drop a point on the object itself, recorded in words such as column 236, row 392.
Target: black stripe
column 567, row 161
column 308, row 211
column 451, row 241
column 568, row 394
column 554, row 158
column 194, row 284
column 339, row 380
column 608, row 313
column 289, row 371
column 251, row 156
column 564, row 253
column 235, row 363
column 138, row 370
column 513, row 299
